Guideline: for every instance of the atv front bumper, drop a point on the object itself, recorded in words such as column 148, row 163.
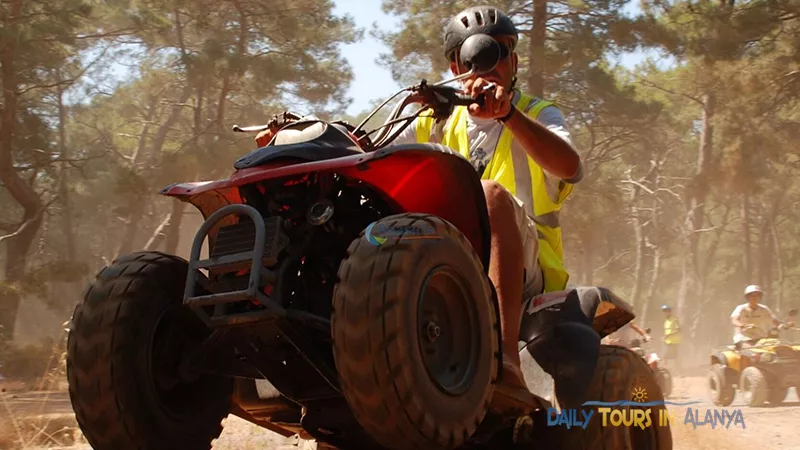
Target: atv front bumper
column 252, row 245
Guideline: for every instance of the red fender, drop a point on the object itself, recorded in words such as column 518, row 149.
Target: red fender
column 423, row 178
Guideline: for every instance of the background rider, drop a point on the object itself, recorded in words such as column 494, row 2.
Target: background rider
column 752, row 320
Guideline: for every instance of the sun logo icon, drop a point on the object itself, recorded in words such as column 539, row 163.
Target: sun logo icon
column 639, row 394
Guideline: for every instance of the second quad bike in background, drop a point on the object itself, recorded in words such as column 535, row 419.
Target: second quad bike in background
column 656, row 364
column 763, row 371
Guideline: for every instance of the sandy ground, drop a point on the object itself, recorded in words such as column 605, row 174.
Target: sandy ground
column 764, row 428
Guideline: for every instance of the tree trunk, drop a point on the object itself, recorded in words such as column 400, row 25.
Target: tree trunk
column 747, row 263
column 655, row 244
column 763, row 251
column 651, row 289
column 174, row 227
column 587, row 258
column 139, row 200
column 639, row 239
column 765, row 258
column 18, row 243
column 697, row 193
column 777, row 255
column 63, row 182
column 173, row 231
column 536, row 57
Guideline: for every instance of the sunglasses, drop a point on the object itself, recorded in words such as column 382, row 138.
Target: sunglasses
column 505, row 51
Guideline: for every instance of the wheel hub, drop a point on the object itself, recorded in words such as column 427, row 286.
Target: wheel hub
column 433, row 331
column 447, row 332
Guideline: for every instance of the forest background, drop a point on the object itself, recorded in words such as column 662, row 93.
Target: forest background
column 691, row 152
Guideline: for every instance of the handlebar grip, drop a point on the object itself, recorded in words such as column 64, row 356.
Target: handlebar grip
column 466, row 100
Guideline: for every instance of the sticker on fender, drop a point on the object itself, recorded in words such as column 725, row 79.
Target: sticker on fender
column 544, row 301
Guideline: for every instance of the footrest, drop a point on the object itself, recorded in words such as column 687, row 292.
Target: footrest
column 217, row 299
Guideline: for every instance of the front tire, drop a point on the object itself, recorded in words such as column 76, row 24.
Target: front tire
column 415, row 334
column 754, row 386
column 124, row 348
column 720, row 388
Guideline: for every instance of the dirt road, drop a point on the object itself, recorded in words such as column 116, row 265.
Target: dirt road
column 765, row 428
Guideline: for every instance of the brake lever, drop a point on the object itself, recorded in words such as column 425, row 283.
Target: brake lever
column 252, row 129
column 274, row 123
column 443, row 99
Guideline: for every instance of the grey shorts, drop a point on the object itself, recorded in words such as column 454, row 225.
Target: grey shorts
column 534, row 280
column 671, row 351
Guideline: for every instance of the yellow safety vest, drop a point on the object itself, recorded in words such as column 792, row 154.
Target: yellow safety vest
column 513, row 169
column 672, row 332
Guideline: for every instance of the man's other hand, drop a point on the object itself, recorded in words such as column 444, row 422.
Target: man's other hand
column 263, row 138
column 497, row 101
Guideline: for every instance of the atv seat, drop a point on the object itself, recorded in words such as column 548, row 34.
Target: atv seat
column 308, row 140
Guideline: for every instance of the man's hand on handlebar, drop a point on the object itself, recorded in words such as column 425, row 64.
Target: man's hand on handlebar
column 497, row 103
column 263, row 138
column 279, row 121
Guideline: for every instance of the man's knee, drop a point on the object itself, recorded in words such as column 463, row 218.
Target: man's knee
column 498, row 199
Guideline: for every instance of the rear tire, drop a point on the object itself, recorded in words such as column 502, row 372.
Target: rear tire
column 622, row 375
column 415, row 335
column 754, row 386
column 720, row 388
column 777, row 395
column 122, row 366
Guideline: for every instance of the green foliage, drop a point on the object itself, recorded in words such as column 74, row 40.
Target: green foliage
column 92, row 147
column 199, row 67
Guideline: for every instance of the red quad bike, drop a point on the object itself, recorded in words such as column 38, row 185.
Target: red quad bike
column 299, row 323
column 663, row 376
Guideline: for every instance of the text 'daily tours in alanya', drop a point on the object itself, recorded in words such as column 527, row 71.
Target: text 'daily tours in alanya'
column 638, row 412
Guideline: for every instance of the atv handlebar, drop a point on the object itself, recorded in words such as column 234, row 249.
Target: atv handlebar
column 466, row 100
column 277, row 122
column 479, row 52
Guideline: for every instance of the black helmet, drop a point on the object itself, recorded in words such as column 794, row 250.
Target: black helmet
column 476, row 20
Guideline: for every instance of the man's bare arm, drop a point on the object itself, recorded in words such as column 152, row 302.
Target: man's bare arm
column 554, row 154
column 775, row 321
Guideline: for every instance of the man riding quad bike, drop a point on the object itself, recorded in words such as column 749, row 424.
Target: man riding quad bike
column 751, row 319
column 371, row 285
column 660, row 371
column 516, row 143
column 762, row 370
column 759, row 364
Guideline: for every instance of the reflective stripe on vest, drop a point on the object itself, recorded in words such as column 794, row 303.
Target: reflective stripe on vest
column 508, row 167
